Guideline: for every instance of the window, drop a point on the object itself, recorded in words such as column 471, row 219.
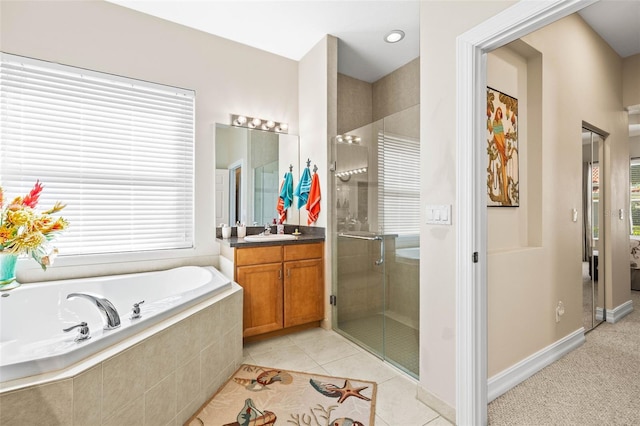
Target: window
column 399, row 186
column 119, row 152
column 595, row 200
column 634, row 208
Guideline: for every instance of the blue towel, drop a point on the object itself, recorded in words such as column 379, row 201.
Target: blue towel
column 303, row 188
column 286, row 193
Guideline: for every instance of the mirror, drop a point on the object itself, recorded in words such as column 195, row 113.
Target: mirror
column 250, row 166
column 592, row 235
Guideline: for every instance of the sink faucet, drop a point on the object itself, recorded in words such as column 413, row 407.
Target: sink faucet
column 106, row 308
column 267, row 229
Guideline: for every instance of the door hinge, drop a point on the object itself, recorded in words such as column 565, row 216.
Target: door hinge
column 333, row 300
column 475, row 257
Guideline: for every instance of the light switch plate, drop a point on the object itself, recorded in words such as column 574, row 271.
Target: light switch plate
column 438, row 214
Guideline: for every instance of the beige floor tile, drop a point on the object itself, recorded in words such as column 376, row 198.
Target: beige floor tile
column 290, row 358
column 362, row 366
column 439, row 421
column 380, row 422
column 326, row 348
column 277, row 343
column 397, row 405
column 318, row 370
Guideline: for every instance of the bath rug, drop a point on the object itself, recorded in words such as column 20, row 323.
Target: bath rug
column 262, row 396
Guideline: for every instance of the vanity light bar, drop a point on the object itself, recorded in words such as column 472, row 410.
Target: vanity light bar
column 352, row 172
column 259, row 124
column 348, row 139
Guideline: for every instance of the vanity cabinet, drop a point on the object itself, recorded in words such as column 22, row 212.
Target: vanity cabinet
column 283, row 286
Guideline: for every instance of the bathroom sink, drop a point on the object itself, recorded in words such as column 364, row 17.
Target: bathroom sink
column 269, row 237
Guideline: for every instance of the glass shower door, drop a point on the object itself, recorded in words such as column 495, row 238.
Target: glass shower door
column 376, row 252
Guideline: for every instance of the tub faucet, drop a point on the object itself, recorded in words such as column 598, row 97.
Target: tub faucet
column 106, row 308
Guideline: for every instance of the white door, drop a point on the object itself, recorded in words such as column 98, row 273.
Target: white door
column 222, row 196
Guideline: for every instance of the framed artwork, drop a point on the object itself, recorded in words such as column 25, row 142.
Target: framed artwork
column 502, row 150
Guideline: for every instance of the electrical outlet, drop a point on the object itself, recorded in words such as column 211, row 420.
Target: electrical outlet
column 559, row 310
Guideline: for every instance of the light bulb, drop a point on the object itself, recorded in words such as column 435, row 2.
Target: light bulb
column 269, row 124
column 256, row 122
column 241, row 119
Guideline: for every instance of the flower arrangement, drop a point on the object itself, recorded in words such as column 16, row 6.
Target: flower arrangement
column 25, row 231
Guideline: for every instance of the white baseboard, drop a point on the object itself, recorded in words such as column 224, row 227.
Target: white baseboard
column 599, row 314
column 516, row 374
column 616, row 314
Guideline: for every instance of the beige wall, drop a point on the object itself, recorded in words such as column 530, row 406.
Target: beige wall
column 631, row 80
column 228, row 78
column 438, row 32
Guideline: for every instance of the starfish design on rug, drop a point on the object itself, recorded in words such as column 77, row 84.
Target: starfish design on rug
column 333, row 391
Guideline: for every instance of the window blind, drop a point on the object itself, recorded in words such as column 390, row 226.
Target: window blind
column 399, row 184
column 117, row 151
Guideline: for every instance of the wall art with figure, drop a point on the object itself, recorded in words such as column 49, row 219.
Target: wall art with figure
column 502, row 149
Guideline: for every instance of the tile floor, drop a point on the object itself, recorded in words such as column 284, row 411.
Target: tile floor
column 326, row 352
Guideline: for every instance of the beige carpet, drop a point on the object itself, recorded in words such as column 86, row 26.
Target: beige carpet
column 260, row 396
column 596, row 384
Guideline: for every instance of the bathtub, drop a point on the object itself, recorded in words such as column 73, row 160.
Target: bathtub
column 33, row 316
column 408, row 254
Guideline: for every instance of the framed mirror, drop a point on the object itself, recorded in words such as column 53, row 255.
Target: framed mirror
column 250, row 166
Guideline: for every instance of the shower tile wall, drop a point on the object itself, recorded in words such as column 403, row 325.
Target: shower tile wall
column 362, row 293
column 403, row 299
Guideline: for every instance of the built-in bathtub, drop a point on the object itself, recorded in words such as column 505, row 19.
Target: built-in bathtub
column 162, row 366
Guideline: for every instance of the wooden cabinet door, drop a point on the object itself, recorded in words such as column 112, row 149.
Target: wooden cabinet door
column 303, row 292
column 262, row 286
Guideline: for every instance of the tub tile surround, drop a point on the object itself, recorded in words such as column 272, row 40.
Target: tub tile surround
column 162, row 380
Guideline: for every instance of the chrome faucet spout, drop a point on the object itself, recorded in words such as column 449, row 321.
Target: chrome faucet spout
column 106, row 308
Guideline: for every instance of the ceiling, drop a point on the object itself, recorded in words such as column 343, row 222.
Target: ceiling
column 291, row 28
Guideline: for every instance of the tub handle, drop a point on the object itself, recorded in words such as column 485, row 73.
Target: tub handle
column 83, row 331
column 135, row 312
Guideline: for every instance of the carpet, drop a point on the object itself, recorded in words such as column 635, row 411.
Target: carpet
column 262, row 396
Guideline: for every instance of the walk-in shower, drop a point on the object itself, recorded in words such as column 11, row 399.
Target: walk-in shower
column 376, row 252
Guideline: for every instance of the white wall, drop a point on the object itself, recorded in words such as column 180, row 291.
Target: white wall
column 228, row 78
column 318, row 82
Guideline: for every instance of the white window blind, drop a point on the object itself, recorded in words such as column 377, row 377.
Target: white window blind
column 399, row 184
column 634, row 208
column 117, row 151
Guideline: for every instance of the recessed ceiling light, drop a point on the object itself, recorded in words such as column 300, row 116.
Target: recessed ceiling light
column 394, row 36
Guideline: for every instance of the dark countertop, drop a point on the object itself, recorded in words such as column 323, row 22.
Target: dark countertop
column 240, row 242
column 309, row 234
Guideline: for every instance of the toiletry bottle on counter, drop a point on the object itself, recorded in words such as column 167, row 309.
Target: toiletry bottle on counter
column 280, row 228
column 242, row 230
column 226, row 231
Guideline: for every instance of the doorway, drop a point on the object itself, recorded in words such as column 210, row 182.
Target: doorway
column 592, row 229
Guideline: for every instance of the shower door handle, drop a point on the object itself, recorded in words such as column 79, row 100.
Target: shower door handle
column 372, row 238
column 381, row 260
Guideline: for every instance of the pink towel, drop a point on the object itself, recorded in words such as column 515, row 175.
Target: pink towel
column 313, row 204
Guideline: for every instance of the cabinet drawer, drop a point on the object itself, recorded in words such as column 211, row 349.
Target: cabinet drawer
column 258, row 255
column 303, row 251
